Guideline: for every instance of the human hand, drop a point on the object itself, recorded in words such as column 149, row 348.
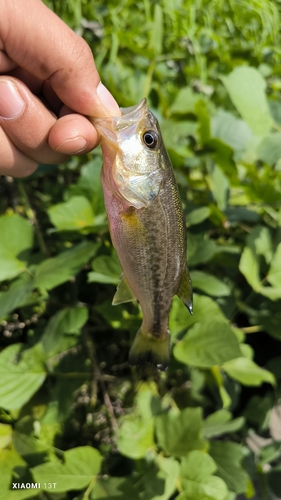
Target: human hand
column 48, row 83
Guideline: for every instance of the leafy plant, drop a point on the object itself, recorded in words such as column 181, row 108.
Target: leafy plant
column 74, row 417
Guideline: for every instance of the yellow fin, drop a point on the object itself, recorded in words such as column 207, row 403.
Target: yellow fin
column 123, row 293
column 185, row 290
column 148, row 348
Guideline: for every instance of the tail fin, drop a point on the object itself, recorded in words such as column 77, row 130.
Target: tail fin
column 147, row 348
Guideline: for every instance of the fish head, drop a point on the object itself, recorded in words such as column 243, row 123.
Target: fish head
column 132, row 150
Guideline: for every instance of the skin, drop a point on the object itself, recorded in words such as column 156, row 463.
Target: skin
column 48, row 86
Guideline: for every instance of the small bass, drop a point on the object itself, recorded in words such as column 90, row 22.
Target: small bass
column 147, row 226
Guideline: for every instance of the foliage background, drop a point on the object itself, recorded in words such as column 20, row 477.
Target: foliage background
column 72, row 411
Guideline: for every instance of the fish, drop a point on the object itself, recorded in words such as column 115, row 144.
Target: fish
column 147, row 226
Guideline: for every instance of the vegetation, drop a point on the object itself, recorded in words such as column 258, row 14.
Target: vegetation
column 74, row 416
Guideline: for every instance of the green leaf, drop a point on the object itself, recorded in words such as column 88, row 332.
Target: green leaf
column 5, row 435
column 22, row 372
column 249, row 267
column 56, row 270
column 25, row 444
column 16, row 240
column 203, row 121
column 219, row 186
column 111, row 488
column 220, row 423
column 274, row 273
column 18, row 293
column 197, row 216
column 231, row 130
column 246, row 88
column 9, row 459
column 175, row 135
column 16, row 235
column 9, row 266
column 74, row 214
column 209, row 284
column 180, row 432
column 106, row 269
column 247, row 372
column 207, row 344
column 184, row 102
column 204, row 308
column 228, row 457
column 269, row 149
column 259, row 243
column 65, row 321
column 258, row 411
column 197, row 480
column 136, row 437
column 79, row 467
column 157, row 30
column 90, row 182
column 169, row 471
column 199, row 249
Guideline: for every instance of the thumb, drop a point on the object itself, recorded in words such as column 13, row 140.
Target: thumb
column 38, row 41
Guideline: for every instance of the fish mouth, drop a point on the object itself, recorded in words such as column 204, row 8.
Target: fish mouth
column 132, row 110
column 107, row 127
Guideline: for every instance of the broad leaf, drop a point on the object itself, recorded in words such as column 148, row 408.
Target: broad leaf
column 74, row 214
column 106, row 269
column 65, row 321
column 228, row 457
column 180, row 432
column 136, row 437
column 246, row 88
column 220, row 423
column 16, row 240
column 17, row 295
column 22, row 372
column 247, row 372
column 209, row 284
column 78, row 469
column 204, row 307
column 9, row 459
column 207, row 344
column 111, row 488
column 269, row 149
column 56, row 270
column 197, row 480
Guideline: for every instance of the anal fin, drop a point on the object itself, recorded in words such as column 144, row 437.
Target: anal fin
column 185, row 290
column 123, row 293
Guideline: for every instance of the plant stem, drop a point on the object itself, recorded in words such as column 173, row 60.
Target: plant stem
column 32, row 218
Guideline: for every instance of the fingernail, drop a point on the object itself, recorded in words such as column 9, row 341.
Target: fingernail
column 11, row 102
column 72, row 146
column 107, row 100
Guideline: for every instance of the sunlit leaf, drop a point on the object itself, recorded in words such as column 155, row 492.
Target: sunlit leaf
column 56, row 270
column 78, row 469
column 247, row 372
column 197, row 480
column 22, row 373
column 74, row 214
column 207, row 344
column 246, row 88
column 180, row 432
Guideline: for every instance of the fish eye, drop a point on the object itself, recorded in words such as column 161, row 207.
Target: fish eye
column 150, row 139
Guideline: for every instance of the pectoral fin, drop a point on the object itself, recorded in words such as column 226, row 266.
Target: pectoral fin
column 123, row 293
column 185, row 290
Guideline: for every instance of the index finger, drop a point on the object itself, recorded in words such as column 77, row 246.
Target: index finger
column 37, row 40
